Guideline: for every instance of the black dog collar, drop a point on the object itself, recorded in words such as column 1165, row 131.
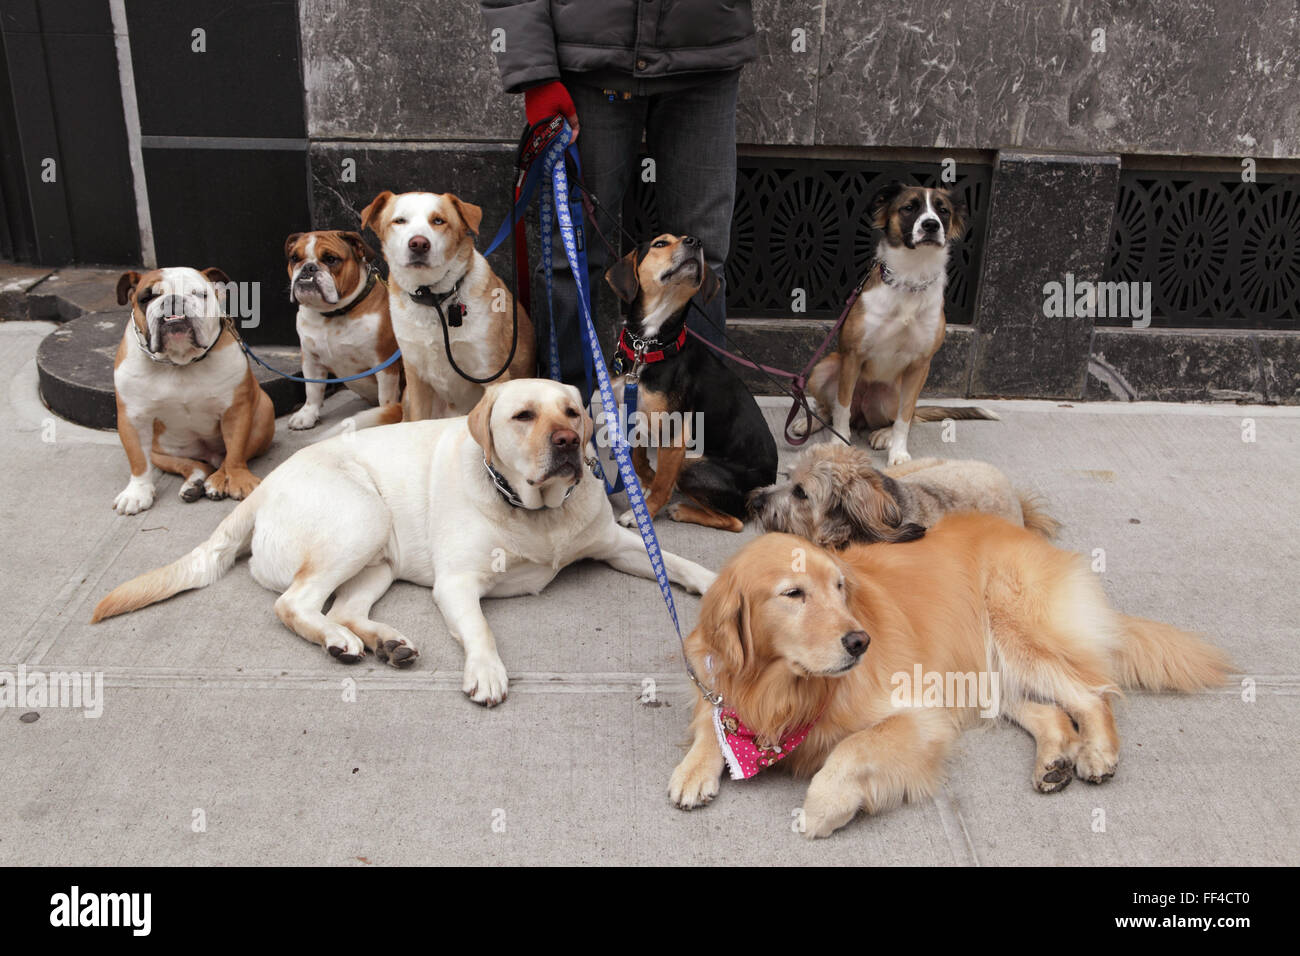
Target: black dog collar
column 454, row 315
column 371, row 278
column 507, row 491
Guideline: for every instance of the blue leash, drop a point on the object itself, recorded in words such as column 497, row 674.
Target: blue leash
column 318, row 381
column 576, row 255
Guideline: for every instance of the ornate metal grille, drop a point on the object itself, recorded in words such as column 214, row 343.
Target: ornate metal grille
column 1219, row 253
column 803, row 224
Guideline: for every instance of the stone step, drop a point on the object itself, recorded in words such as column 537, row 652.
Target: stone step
column 75, row 364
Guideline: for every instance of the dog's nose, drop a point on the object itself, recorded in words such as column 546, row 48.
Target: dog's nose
column 690, row 241
column 564, row 438
column 930, row 226
column 757, row 498
column 855, row 642
column 419, row 244
column 308, row 269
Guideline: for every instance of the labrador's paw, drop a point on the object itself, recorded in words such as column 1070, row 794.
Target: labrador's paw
column 486, row 681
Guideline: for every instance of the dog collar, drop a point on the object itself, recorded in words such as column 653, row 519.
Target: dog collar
column 745, row 752
column 141, row 341
column 890, row 278
column 507, row 491
column 372, row 277
column 643, row 351
column 455, row 313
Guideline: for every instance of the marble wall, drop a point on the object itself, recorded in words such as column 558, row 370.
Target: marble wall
column 1195, row 77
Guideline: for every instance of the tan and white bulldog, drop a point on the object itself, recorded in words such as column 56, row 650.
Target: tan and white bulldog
column 187, row 401
column 343, row 323
column 433, row 268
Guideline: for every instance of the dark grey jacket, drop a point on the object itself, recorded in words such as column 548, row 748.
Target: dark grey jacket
column 642, row 38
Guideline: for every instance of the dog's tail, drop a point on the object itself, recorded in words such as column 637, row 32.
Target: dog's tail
column 937, row 413
column 1155, row 656
column 389, row 414
column 1034, row 511
column 202, row 566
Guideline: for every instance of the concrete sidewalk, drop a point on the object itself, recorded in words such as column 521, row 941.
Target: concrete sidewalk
column 213, row 712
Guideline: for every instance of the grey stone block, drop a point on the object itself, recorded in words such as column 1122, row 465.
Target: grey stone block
column 1184, row 78
column 778, row 92
column 1175, row 366
column 1279, row 356
column 1044, row 224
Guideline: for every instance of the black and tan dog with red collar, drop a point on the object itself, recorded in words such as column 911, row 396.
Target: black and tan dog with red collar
column 713, row 444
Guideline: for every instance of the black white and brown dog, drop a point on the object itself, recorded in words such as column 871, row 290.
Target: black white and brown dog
column 688, row 382
column 897, row 324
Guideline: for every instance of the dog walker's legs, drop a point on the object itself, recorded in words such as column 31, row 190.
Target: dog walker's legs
column 309, row 414
column 1056, row 740
column 194, row 472
column 351, row 609
column 695, row 780
column 875, row 769
column 458, row 598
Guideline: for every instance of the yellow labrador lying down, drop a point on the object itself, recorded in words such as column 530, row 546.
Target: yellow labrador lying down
column 492, row 505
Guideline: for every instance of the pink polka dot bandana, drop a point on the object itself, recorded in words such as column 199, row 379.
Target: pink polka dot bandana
column 747, row 754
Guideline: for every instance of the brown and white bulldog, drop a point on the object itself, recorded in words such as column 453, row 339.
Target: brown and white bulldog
column 435, row 275
column 187, row 401
column 343, row 322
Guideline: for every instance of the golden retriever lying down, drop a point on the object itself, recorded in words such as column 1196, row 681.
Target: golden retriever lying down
column 792, row 635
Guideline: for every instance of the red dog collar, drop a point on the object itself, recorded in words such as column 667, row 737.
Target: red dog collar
column 649, row 358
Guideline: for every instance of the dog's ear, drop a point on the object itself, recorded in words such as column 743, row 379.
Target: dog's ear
column 709, row 284
column 288, row 243
column 126, row 285
column 371, row 215
column 359, row 246
column 622, row 278
column 216, row 276
column 480, row 421
column 724, row 629
column 469, row 213
column 881, row 200
column 960, row 216
column 866, row 510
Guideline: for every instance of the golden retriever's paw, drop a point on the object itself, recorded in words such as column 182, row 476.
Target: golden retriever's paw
column 396, row 652
column 828, row 806
column 693, row 784
column 1054, row 775
column 486, row 681
column 1095, row 764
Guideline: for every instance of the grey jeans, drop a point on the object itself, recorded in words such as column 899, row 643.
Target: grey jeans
column 691, row 135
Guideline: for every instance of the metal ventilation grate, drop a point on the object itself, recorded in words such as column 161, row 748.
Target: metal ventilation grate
column 1219, row 253
column 803, row 224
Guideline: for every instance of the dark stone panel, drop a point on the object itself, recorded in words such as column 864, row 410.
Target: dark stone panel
column 1175, row 366
column 247, row 83
column 81, row 17
column 1279, row 357
column 232, row 209
column 74, row 365
column 478, row 173
column 1050, row 216
column 403, row 70
column 778, row 91
column 1189, row 77
column 95, row 165
column 790, row 343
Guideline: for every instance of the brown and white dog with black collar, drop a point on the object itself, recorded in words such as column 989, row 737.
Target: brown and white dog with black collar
column 897, row 324
column 187, row 400
column 343, row 323
column 441, row 291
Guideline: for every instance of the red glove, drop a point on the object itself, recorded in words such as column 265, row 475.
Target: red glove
column 543, row 102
